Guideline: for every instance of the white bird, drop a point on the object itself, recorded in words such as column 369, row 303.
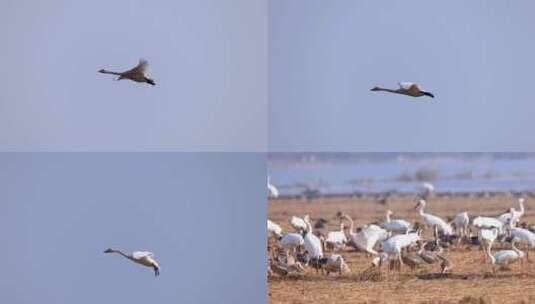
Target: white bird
column 484, row 222
column 312, row 242
column 515, row 216
column 274, row 228
column 393, row 246
column 335, row 263
column 336, row 239
column 461, row 222
column 406, row 88
column 427, row 190
column 298, row 224
column 144, row 258
column 136, row 74
column 367, row 237
column 486, row 238
column 432, row 220
column 396, row 225
column 273, row 191
column 291, row 241
column 505, row 257
column 523, row 236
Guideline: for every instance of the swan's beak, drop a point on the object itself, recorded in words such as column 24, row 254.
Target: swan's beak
column 417, row 205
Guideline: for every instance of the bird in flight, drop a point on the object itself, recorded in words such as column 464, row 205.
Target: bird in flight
column 136, row 74
column 406, row 88
column 144, row 258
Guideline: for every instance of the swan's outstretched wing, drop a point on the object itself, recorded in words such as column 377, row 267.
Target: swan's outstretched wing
column 141, row 254
column 406, row 85
column 139, row 69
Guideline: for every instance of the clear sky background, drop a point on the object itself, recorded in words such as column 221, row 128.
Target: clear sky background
column 208, row 58
column 203, row 215
column 477, row 57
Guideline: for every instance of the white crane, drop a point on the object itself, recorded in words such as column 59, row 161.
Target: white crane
column 513, row 216
column 432, row 220
column 274, row 228
column 144, row 258
column 298, row 224
column 505, row 257
column 523, row 236
column 406, row 88
column 483, row 222
column 486, row 239
column 272, row 190
column 136, row 74
column 461, row 222
column 396, row 225
column 312, row 243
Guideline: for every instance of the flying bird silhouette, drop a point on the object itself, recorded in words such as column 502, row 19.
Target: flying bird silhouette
column 136, row 74
column 406, row 88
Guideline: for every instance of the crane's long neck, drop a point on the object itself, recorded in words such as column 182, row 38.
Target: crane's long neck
column 421, row 210
column 513, row 246
column 489, row 254
column 388, row 217
column 110, row 72
column 521, row 204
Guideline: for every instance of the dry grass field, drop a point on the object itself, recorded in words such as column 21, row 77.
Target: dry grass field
column 471, row 281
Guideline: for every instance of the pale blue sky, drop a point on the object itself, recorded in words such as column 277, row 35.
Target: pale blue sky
column 477, row 57
column 208, row 58
column 203, row 215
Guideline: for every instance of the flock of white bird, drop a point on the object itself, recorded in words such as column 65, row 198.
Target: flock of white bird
column 397, row 241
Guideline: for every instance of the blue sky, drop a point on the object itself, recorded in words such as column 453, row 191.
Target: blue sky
column 202, row 214
column 208, row 58
column 475, row 56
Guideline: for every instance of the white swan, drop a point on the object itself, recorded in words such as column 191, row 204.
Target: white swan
column 136, row 74
column 144, row 258
column 406, row 88
column 336, row 239
column 396, row 225
column 298, row 224
column 274, row 228
column 312, row 242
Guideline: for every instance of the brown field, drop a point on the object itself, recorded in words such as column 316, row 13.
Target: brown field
column 471, row 281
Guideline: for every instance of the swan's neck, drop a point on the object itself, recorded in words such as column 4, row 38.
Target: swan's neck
column 110, row 72
column 386, row 90
column 388, row 217
column 125, row 255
